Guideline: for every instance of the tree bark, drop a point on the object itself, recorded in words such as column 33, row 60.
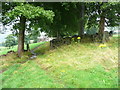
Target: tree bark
column 21, row 36
column 58, row 34
column 28, row 48
column 101, row 28
column 81, row 23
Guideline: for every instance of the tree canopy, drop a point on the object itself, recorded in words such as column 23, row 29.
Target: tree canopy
column 24, row 12
column 59, row 18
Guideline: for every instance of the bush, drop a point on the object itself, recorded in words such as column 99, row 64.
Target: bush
column 10, row 41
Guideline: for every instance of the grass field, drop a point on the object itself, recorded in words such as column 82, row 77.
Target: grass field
column 79, row 65
column 4, row 50
column 116, row 35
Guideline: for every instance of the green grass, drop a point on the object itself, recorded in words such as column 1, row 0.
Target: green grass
column 12, row 58
column 95, row 77
column 32, row 77
column 116, row 35
column 4, row 50
column 81, row 65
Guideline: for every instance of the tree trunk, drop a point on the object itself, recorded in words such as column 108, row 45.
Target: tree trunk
column 58, row 34
column 81, row 23
column 21, row 36
column 101, row 28
column 28, row 48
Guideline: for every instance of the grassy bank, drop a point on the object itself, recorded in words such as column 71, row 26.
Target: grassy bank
column 79, row 65
column 4, row 50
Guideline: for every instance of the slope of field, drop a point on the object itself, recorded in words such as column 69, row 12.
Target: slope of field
column 4, row 50
column 79, row 65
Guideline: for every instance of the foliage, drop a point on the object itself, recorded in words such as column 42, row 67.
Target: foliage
column 107, row 9
column 30, row 12
column 32, row 35
column 36, row 16
column 10, row 41
column 23, row 13
column 66, row 20
column 66, row 16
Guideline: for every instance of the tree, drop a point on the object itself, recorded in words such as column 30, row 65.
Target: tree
column 70, row 18
column 67, row 18
column 10, row 41
column 24, row 12
column 81, row 7
column 107, row 13
column 31, row 35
